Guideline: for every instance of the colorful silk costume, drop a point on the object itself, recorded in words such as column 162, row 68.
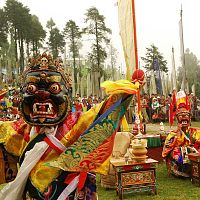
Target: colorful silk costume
column 180, row 142
column 177, row 146
column 61, row 151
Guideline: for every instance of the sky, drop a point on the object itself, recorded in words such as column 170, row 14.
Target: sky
column 156, row 22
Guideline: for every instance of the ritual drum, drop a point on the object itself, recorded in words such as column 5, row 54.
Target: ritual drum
column 8, row 166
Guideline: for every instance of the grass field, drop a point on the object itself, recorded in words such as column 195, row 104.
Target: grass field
column 193, row 124
column 168, row 187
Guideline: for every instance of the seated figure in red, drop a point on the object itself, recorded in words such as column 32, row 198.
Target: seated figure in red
column 181, row 141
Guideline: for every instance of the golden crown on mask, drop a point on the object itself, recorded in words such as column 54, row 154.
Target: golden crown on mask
column 45, row 62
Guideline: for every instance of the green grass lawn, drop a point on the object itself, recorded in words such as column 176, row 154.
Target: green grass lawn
column 196, row 124
column 168, row 188
column 193, row 123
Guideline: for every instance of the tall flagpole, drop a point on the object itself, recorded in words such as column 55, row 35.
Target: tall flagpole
column 134, row 34
column 136, row 50
column 183, row 86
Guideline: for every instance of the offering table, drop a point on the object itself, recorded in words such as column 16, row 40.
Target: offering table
column 133, row 176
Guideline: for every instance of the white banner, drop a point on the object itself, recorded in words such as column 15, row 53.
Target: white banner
column 127, row 34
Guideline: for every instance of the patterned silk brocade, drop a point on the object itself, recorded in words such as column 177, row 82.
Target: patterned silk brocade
column 83, row 155
column 43, row 174
column 92, row 150
column 82, row 124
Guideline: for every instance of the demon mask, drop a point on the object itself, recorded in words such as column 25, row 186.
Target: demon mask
column 46, row 93
column 183, row 117
column 183, row 114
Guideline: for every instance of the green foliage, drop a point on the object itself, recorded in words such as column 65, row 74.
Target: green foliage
column 97, row 57
column 56, row 40
column 97, row 28
column 36, row 33
column 50, row 24
column 17, row 14
column 19, row 20
column 23, row 27
column 3, row 27
column 73, row 34
column 151, row 54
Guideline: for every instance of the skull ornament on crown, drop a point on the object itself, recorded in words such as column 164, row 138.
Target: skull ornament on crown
column 44, row 62
column 45, row 91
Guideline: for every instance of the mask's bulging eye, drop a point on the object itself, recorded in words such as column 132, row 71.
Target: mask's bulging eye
column 31, row 88
column 55, row 88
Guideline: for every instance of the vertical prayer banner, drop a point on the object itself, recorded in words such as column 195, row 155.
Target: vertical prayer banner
column 156, row 67
column 126, row 26
column 184, row 85
column 181, row 40
column 152, row 89
column 173, row 74
column 163, row 81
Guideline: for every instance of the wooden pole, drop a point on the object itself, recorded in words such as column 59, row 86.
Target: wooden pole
column 134, row 34
column 183, row 53
column 136, row 50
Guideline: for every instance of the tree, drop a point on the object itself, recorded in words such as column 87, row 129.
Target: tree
column 152, row 54
column 50, row 24
column 35, row 36
column 3, row 28
column 113, row 59
column 19, row 20
column 3, row 40
column 95, row 26
column 192, row 71
column 73, row 34
column 56, row 39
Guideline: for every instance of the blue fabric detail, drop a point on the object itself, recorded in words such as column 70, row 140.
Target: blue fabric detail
column 180, row 159
column 73, row 109
column 105, row 114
